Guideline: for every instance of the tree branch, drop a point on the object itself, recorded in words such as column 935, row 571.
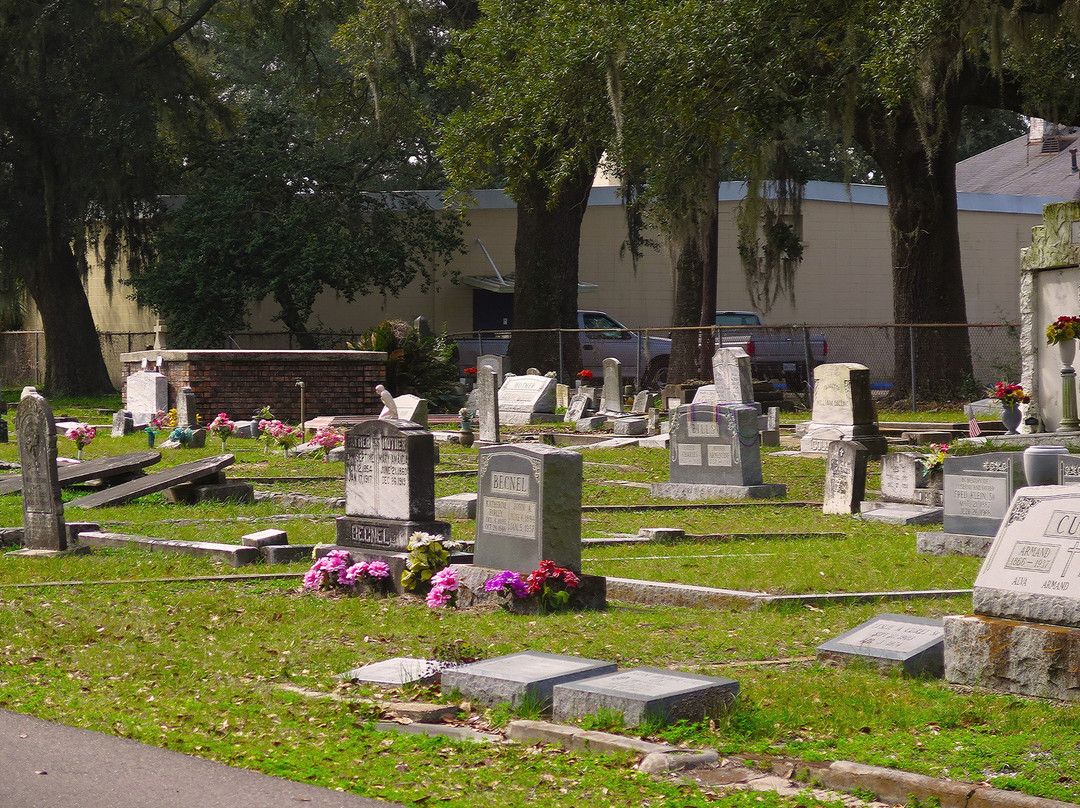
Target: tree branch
column 176, row 33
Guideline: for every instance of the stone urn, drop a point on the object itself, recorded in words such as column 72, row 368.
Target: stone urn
column 1041, row 464
column 1011, row 417
column 466, row 436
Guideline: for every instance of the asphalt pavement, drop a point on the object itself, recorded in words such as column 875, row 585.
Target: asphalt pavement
column 47, row 765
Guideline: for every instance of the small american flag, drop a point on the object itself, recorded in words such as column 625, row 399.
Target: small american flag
column 973, row 428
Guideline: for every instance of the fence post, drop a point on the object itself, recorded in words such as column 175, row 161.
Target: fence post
column 911, row 352
column 562, row 379
column 808, row 356
column 637, row 370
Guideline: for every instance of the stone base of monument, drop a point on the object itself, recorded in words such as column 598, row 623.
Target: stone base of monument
column 1028, row 659
column 590, row 595
column 645, row 694
column 384, row 534
column 900, row 513
column 695, row 491
column 394, row 560
column 517, row 418
column 590, row 424
column 630, row 425
column 35, row 553
column 192, row 493
column 815, row 438
column 234, row 555
column 942, row 543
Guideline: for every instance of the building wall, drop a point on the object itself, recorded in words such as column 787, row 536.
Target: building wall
column 845, row 275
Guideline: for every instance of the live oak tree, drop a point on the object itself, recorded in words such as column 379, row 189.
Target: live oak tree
column 92, row 96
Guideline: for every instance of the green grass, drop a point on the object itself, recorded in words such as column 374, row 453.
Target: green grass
column 197, row 666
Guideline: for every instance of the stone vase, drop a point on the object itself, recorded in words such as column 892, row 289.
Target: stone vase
column 1067, row 349
column 1010, row 417
column 1041, row 464
column 466, row 437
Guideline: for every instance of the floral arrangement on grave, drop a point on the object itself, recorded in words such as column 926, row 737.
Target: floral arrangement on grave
column 466, row 415
column 552, row 585
column 935, row 458
column 428, row 554
column 283, row 435
column 509, row 587
column 327, row 438
column 469, row 371
column 1062, row 329
column 444, row 589
column 585, row 375
column 1010, row 395
column 336, row 572
column 182, row 435
column 171, row 419
column 222, row 428
column 157, row 422
column 83, row 435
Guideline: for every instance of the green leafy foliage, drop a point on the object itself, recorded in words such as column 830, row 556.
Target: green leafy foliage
column 416, row 363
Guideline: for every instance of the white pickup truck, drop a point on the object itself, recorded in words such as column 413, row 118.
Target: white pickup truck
column 773, row 354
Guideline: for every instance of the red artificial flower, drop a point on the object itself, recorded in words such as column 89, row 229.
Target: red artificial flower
column 585, row 374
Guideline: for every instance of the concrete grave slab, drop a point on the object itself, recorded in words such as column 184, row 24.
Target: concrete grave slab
column 915, row 644
column 102, row 468
column 900, row 513
column 264, row 538
column 646, row 693
column 396, row 672
column 527, row 676
column 159, row 481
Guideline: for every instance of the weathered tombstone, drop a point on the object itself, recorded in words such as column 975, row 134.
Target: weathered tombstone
column 1024, row 635
column 630, row 425
column 706, row 394
column 389, row 486
column 412, row 408
column 845, row 477
column 715, row 452
column 642, row 402
column 613, row 400
column 146, row 392
column 731, row 376
column 123, row 424
column 185, row 408
column 396, row 672
column 576, row 411
column 652, row 421
column 493, row 361
column 524, row 677
column 843, row 410
column 915, row 644
column 645, row 694
column 770, row 427
column 43, row 510
column 562, row 396
column 977, row 490
column 903, row 479
column 487, row 405
column 533, row 372
column 527, row 400
column 529, row 508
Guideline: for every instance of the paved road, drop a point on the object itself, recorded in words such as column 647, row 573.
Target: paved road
column 47, row 765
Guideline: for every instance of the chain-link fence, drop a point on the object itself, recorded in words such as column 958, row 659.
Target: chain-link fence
column 895, row 354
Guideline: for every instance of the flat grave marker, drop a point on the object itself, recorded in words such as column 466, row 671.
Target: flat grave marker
column 527, row 676
column 396, row 672
column 645, row 693
column 914, row 643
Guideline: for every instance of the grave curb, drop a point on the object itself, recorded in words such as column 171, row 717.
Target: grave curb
column 659, row 756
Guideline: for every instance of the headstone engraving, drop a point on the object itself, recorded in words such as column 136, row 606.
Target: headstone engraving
column 515, row 678
column 845, row 477
column 731, row 376
column 529, row 508
column 915, row 643
column 978, row 489
column 488, row 401
column 43, row 510
column 389, row 485
column 527, row 399
column 843, row 410
column 613, row 400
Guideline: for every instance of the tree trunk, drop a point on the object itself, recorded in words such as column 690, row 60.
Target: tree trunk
column 74, row 365
column 710, row 266
column 928, row 284
column 546, row 274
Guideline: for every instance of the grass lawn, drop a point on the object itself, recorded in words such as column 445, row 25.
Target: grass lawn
column 198, row 666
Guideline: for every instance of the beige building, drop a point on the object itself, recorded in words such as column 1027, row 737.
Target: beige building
column 844, row 278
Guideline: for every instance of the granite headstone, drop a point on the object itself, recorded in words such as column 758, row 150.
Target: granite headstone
column 978, row 489
column 845, row 477
column 43, row 509
column 731, row 376
column 527, row 399
column 487, row 404
column 613, row 400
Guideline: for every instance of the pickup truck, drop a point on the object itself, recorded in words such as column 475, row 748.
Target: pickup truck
column 772, row 355
column 602, row 336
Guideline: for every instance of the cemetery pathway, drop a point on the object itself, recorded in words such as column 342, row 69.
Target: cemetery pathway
column 49, row 765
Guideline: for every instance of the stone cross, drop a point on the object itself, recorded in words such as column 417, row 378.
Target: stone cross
column 43, row 510
column 488, row 404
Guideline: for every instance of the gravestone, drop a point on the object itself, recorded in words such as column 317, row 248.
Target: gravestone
column 185, row 408
column 207, row 470
column 562, row 396
column 706, row 394
column 977, row 490
column 487, row 405
column 527, row 400
column 123, row 423
column 613, row 400
column 43, row 509
column 1024, row 635
column 389, row 485
column 578, row 406
column 533, row 372
column 645, row 694
column 903, row 479
column 715, row 451
column 412, row 408
column 652, row 421
column 493, row 361
column 529, row 508
column 731, row 376
column 843, row 410
column 845, row 477
column 916, row 644
column 524, row 677
column 630, row 425
column 396, row 672
column 769, row 423
column 1069, row 470
column 145, row 393
column 642, row 402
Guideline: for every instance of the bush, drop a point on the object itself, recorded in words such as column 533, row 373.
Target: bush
column 415, row 363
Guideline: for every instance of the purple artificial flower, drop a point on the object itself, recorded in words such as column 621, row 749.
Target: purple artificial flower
column 505, row 579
